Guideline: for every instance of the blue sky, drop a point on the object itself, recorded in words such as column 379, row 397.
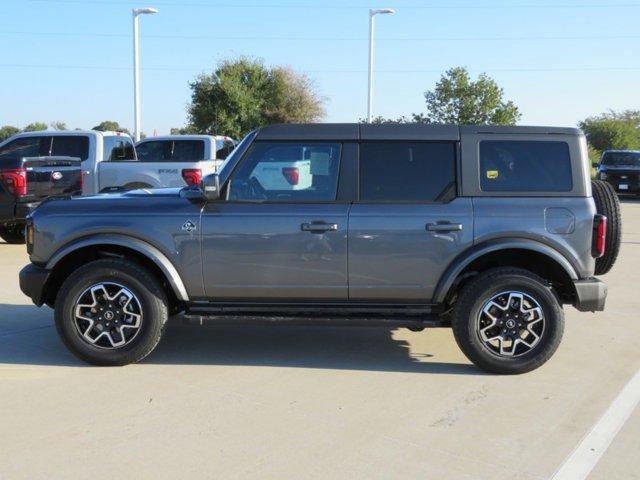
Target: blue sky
column 560, row 61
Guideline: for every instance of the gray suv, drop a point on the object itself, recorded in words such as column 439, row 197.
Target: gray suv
column 487, row 230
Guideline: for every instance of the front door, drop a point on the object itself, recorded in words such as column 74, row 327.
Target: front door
column 408, row 224
column 280, row 235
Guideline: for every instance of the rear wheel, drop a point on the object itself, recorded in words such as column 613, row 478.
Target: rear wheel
column 111, row 312
column 12, row 233
column 508, row 321
column 607, row 204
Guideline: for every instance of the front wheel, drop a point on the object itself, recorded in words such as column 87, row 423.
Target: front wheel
column 111, row 312
column 508, row 321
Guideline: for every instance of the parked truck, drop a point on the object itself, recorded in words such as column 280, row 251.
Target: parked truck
column 110, row 162
column 28, row 175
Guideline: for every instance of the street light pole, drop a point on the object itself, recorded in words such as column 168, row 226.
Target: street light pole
column 372, row 14
column 136, row 68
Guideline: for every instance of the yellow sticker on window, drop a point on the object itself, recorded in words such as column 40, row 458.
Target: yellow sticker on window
column 492, row 174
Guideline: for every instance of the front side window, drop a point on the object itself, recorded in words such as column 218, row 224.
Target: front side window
column 525, row 166
column 26, row 147
column 285, row 172
column 407, row 171
column 118, row 149
column 76, row 146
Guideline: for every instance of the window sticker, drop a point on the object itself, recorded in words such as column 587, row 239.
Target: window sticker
column 492, row 174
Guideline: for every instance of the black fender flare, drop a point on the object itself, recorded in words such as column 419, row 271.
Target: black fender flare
column 149, row 251
column 461, row 262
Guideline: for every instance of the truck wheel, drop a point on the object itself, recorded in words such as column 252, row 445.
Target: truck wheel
column 507, row 321
column 111, row 312
column 12, row 233
column 607, row 204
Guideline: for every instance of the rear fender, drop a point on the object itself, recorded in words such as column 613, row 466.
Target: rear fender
column 461, row 262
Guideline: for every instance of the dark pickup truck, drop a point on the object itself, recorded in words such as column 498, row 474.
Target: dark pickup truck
column 620, row 169
column 26, row 181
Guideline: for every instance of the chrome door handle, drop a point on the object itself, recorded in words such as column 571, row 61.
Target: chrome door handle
column 444, row 227
column 319, row 227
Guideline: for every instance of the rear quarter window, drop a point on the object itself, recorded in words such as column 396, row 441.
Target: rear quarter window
column 525, row 166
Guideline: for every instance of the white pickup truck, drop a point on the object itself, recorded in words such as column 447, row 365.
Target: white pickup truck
column 110, row 162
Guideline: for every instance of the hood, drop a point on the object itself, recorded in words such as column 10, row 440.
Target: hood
column 143, row 192
column 620, row 168
column 148, row 202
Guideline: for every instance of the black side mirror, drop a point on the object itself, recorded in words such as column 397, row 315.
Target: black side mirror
column 596, row 164
column 211, row 186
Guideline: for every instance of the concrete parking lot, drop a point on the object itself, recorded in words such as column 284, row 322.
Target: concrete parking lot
column 301, row 402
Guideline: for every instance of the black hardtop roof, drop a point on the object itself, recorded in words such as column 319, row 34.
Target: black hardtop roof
column 394, row 131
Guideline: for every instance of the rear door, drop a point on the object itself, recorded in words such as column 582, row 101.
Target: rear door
column 408, row 223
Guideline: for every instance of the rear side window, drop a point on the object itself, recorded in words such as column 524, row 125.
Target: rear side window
column 525, row 166
column 71, row 146
column 187, row 151
column 171, row 151
column 156, row 151
column 118, row 149
column 407, row 171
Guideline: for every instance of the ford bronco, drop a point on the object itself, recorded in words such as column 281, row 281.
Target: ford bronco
column 486, row 230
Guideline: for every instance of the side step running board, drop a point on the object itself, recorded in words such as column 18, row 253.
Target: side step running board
column 412, row 322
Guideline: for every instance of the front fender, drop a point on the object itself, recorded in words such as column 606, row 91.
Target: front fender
column 140, row 246
column 461, row 262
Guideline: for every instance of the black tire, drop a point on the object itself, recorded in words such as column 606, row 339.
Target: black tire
column 607, row 204
column 146, row 288
column 466, row 312
column 12, row 233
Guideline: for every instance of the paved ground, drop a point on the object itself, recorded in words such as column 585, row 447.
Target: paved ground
column 298, row 402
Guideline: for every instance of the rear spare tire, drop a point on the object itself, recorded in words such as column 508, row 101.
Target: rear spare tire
column 607, row 204
column 12, row 233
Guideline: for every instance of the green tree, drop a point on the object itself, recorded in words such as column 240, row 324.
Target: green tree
column 244, row 94
column 457, row 99
column 35, row 127
column 110, row 126
column 612, row 130
column 59, row 125
column 8, row 131
column 183, row 130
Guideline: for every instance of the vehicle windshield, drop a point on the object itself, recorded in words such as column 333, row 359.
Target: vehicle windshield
column 621, row 158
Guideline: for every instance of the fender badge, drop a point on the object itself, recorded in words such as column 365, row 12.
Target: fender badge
column 189, row 226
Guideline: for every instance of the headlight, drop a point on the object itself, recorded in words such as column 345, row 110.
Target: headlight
column 603, row 176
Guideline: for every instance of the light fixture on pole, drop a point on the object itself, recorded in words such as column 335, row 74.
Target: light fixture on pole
column 372, row 14
column 136, row 68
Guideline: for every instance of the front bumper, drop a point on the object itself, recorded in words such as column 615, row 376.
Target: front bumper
column 32, row 282
column 591, row 295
